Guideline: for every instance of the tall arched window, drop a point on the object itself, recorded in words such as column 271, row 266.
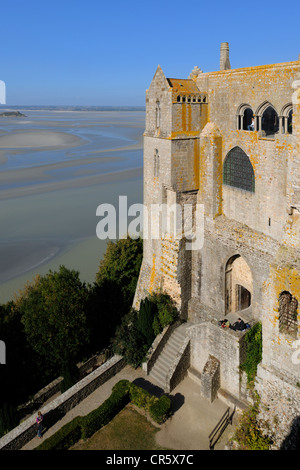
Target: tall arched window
column 288, row 313
column 290, row 122
column 270, row 121
column 238, row 171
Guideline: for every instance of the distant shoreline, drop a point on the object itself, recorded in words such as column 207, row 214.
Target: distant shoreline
column 73, row 108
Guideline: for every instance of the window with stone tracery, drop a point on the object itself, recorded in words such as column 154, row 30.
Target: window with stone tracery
column 238, row 171
column 288, row 305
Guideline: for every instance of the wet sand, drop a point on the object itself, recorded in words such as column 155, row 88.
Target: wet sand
column 38, row 138
column 46, row 222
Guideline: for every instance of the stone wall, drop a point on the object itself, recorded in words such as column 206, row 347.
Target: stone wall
column 209, row 339
column 19, row 436
column 279, row 410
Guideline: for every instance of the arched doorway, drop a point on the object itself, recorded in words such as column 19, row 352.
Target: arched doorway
column 238, row 285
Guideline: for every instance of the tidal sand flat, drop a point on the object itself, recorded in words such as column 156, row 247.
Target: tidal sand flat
column 38, row 138
column 51, row 187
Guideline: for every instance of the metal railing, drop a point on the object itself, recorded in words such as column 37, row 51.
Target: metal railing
column 218, row 430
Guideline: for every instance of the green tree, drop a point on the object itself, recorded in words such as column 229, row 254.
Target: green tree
column 54, row 316
column 128, row 341
column 121, row 266
column 112, row 294
column 146, row 315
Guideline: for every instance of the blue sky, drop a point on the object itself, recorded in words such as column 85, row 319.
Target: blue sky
column 95, row 52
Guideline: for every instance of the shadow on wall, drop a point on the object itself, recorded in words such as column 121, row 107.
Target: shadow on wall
column 292, row 440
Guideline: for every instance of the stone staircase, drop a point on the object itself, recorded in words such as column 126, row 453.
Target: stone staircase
column 160, row 371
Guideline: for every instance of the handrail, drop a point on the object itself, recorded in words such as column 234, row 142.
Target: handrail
column 220, row 428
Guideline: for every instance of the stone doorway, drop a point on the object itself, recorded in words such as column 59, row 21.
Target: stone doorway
column 238, row 285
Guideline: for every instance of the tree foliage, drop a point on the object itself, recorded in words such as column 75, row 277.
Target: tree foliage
column 128, row 341
column 112, row 294
column 54, row 316
column 121, row 266
column 139, row 328
column 147, row 313
column 56, row 321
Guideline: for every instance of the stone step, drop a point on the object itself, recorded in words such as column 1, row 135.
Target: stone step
column 159, row 378
column 162, row 366
column 165, row 360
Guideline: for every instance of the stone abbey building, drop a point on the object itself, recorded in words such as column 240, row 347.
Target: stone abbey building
column 227, row 145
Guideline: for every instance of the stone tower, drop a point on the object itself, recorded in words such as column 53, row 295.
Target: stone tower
column 224, row 56
column 175, row 114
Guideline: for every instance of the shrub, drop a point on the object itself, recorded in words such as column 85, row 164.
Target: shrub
column 63, row 439
column 253, row 340
column 141, row 397
column 167, row 312
column 248, row 434
column 160, row 410
column 121, row 387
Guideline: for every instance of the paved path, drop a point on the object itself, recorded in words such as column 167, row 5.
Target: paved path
column 188, row 429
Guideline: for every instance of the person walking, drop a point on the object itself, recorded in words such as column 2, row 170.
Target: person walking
column 39, row 422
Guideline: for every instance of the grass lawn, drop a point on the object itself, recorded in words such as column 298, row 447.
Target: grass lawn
column 129, row 430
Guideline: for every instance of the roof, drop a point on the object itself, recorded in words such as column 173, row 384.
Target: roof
column 185, row 85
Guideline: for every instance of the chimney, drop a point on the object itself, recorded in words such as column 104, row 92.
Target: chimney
column 224, row 56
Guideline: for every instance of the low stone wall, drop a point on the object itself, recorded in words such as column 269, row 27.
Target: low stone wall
column 54, row 411
column 53, row 388
column 180, row 366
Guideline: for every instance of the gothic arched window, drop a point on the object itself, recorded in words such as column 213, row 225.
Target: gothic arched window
column 288, row 313
column 270, row 121
column 238, row 171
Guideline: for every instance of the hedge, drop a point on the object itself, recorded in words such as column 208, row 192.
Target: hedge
column 63, row 439
column 123, row 392
column 104, row 413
